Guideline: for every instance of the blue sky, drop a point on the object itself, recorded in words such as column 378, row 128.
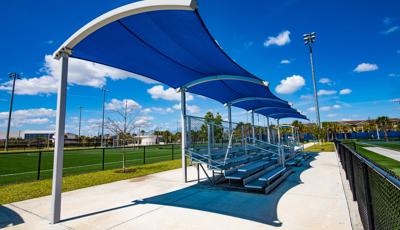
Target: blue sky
column 357, row 60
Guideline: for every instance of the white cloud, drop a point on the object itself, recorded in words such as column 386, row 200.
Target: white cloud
column 325, row 108
column 117, row 105
column 394, row 75
column 391, row 30
column 285, row 61
column 38, row 121
column 143, row 121
column 282, row 39
column 79, row 73
column 325, row 80
column 290, row 84
column 365, row 67
column 146, row 110
column 387, row 21
column 157, row 110
column 248, row 44
column 345, row 91
column 306, row 97
column 27, row 116
column 332, row 115
column 322, row 92
column 191, row 108
column 170, row 94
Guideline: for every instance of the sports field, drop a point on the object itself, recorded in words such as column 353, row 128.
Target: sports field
column 394, row 145
column 385, row 162
column 19, row 167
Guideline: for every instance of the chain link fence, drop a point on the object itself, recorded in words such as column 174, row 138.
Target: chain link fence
column 376, row 190
column 35, row 165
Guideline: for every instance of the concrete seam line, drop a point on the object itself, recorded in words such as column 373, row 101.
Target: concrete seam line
column 344, row 191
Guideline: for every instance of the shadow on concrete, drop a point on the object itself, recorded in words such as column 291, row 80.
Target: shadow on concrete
column 247, row 205
column 9, row 218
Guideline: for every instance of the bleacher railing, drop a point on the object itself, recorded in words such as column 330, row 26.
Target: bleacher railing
column 376, row 190
column 210, row 138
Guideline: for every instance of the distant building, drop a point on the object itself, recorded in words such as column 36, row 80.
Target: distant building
column 148, row 139
column 33, row 135
column 38, row 134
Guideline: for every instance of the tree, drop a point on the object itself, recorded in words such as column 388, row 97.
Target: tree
column 123, row 122
column 301, row 128
column 384, row 123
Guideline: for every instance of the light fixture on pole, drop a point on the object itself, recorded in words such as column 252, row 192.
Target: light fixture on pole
column 104, row 90
column 309, row 39
column 14, row 76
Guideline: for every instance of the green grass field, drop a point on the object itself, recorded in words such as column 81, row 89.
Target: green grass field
column 394, row 145
column 383, row 161
column 20, row 167
column 28, row 190
column 324, row 147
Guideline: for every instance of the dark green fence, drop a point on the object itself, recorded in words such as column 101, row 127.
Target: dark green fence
column 376, row 191
column 36, row 165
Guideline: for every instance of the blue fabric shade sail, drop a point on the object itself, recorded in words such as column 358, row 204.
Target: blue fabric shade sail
column 169, row 44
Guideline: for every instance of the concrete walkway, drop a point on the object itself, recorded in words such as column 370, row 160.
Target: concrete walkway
column 311, row 198
column 385, row 152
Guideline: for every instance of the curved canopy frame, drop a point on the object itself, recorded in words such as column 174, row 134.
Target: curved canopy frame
column 244, row 99
column 122, row 12
column 182, row 55
column 222, row 78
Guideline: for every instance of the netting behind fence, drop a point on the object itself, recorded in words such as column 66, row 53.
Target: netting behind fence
column 376, row 191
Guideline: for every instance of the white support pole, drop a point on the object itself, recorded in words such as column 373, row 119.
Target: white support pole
column 212, row 134
column 268, row 131
column 189, row 131
column 252, row 127
column 280, row 150
column 377, row 132
column 230, row 118
column 183, row 134
column 209, row 142
column 59, row 142
column 293, row 137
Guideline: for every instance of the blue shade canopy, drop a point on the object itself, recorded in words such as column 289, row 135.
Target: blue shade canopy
column 267, row 111
column 166, row 41
column 288, row 115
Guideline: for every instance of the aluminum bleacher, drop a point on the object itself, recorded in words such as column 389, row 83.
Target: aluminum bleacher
column 239, row 160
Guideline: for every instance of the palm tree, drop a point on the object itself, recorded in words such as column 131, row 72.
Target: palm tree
column 384, row 123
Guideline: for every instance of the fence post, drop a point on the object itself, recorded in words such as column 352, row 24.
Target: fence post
column 367, row 191
column 144, row 154
column 39, row 163
column 103, row 159
column 172, row 152
column 353, row 186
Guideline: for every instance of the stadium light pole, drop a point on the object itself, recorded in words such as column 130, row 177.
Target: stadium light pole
column 14, row 76
column 104, row 90
column 79, row 130
column 309, row 39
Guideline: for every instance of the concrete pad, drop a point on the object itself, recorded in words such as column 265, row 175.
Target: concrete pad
column 311, row 198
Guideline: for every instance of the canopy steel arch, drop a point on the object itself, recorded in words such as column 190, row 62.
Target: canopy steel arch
column 183, row 54
column 258, row 98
